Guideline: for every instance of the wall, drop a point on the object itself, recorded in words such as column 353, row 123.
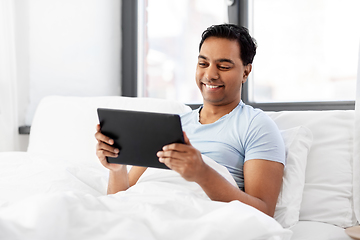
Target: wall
column 68, row 47
column 74, row 49
column 21, row 9
column 8, row 83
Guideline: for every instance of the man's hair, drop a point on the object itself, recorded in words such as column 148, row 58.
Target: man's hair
column 233, row 32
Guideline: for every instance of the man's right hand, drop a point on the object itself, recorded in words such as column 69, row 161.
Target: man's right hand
column 119, row 179
column 105, row 149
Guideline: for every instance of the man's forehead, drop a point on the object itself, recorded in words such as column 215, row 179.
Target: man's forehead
column 220, row 48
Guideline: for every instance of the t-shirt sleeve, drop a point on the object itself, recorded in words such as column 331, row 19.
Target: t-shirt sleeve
column 263, row 140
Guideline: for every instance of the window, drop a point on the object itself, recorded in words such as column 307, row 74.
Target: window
column 306, row 59
column 307, row 51
column 168, row 41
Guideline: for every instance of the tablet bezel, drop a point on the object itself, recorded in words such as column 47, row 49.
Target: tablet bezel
column 143, row 134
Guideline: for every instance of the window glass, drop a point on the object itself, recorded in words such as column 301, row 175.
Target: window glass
column 307, row 50
column 169, row 35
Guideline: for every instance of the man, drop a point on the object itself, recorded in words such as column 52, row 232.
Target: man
column 233, row 134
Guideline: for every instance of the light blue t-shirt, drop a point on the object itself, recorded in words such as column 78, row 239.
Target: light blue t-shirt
column 243, row 134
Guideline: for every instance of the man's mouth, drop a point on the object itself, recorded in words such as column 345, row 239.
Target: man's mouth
column 212, row 86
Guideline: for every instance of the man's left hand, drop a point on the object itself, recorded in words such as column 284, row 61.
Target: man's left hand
column 184, row 159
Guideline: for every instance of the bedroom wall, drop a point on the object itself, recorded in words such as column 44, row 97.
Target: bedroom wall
column 21, row 8
column 69, row 47
column 74, row 48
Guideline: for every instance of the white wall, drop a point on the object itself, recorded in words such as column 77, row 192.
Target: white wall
column 74, row 48
column 8, row 78
column 21, row 9
column 65, row 47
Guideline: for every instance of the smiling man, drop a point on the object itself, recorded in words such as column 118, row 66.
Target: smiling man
column 220, row 71
column 237, row 136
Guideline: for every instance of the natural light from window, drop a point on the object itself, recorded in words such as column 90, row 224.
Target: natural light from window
column 169, row 33
column 307, row 50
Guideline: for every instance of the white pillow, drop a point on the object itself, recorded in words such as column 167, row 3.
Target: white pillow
column 65, row 126
column 329, row 190
column 297, row 143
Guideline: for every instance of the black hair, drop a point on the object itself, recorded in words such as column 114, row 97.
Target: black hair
column 233, row 32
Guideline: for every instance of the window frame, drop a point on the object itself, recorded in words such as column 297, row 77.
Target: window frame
column 238, row 14
column 129, row 39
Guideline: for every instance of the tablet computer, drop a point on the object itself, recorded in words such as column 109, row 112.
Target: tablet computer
column 140, row 135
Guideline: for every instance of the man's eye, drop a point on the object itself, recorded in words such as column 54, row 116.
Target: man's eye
column 224, row 67
column 201, row 64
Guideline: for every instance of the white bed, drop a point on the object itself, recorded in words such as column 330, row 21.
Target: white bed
column 57, row 189
column 47, row 198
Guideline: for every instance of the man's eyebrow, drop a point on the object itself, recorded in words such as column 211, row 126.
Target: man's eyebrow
column 225, row 60
column 219, row 60
column 202, row 57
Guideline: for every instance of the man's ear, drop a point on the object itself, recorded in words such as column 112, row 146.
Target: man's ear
column 247, row 72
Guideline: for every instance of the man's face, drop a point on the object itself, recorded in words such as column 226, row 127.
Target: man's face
column 220, row 71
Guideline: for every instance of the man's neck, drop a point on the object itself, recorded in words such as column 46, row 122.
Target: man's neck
column 211, row 113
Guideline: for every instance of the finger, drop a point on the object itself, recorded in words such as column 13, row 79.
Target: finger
column 106, row 147
column 98, row 127
column 103, row 161
column 101, row 137
column 176, row 147
column 166, row 161
column 102, row 154
column 174, row 164
column 171, row 154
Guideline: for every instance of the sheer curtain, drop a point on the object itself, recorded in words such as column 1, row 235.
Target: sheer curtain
column 8, row 83
column 356, row 173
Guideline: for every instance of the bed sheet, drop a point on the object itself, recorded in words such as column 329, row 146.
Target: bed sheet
column 47, row 198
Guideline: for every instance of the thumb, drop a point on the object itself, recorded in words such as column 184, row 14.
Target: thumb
column 186, row 139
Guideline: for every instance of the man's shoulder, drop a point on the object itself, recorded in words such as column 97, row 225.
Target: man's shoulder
column 254, row 116
column 188, row 117
column 189, row 113
column 249, row 112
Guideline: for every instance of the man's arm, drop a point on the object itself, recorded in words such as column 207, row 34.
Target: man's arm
column 262, row 181
column 118, row 180
column 121, row 180
column 262, row 178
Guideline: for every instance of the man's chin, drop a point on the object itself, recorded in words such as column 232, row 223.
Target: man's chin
column 219, row 101
column 214, row 101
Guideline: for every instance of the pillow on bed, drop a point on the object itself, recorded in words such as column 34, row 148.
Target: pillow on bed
column 297, row 143
column 65, row 126
column 326, row 198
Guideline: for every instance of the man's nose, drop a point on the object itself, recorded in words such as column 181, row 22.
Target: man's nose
column 212, row 73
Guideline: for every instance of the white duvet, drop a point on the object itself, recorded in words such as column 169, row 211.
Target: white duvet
column 42, row 197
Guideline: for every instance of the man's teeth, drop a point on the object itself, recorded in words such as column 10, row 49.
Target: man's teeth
column 211, row 86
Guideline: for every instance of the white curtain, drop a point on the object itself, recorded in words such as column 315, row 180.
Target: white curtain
column 8, row 84
column 356, row 173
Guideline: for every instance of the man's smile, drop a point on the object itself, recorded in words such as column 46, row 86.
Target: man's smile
column 212, row 86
